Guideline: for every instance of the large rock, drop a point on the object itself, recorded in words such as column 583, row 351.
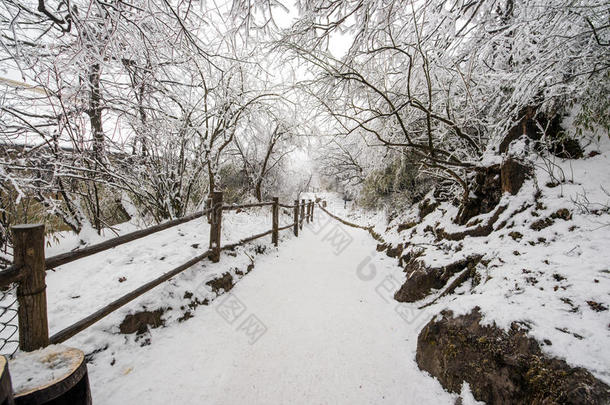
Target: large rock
column 530, row 123
column 512, row 175
column 421, row 280
column 501, row 367
column 484, row 195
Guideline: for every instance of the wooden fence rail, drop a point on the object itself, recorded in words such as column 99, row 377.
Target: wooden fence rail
column 246, row 240
column 244, row 206
column 84, row 323
column 58, row 260
column 30, row 265
column 369, row 229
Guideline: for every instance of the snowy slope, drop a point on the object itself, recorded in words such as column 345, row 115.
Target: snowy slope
column 555, row 280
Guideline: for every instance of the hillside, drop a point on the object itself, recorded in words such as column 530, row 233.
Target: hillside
column 537, row 262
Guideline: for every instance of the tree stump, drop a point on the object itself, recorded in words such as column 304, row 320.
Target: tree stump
column 6, row 388
column 55, row 375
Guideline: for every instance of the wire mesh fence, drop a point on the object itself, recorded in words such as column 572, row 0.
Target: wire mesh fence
column 9, row 330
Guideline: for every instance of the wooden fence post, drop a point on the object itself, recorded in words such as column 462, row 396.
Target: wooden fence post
column 309, row 211
column 275, row 211
column 302, row 212
column 28, row 252
column 296, row 218
column 215, row 226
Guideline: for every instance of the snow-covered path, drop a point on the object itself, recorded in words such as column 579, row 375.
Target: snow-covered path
column 326, row 332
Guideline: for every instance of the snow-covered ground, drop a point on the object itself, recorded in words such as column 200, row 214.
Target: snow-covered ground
column 314, row 322
column 325, row 336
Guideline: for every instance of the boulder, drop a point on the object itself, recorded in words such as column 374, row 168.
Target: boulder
column 421, row 280
column 484, row 195
column 512, row 175
column 501, row 367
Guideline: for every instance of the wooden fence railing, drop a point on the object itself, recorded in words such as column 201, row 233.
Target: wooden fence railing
column 30, row 265
column 369, row 229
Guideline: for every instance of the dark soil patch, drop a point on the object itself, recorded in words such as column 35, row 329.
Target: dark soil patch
column 426, row 207
column 394, row 251
column 562, row 213
column 225, row 283
column 516, row 235
column 185, row 317
column 596, row 306
column 141, row 321
column 404, row 227
column 541, row 224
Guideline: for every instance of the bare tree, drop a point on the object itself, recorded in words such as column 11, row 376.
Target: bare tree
column 100, row 78
column 446, row 80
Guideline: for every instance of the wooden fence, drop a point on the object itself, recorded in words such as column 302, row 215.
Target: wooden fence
column 369, row 229
column 30, row 265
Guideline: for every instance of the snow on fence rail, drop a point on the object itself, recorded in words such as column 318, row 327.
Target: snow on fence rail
column 29, row 267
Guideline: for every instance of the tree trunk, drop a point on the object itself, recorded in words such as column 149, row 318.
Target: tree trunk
column 95, row 111
column 257, row 191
